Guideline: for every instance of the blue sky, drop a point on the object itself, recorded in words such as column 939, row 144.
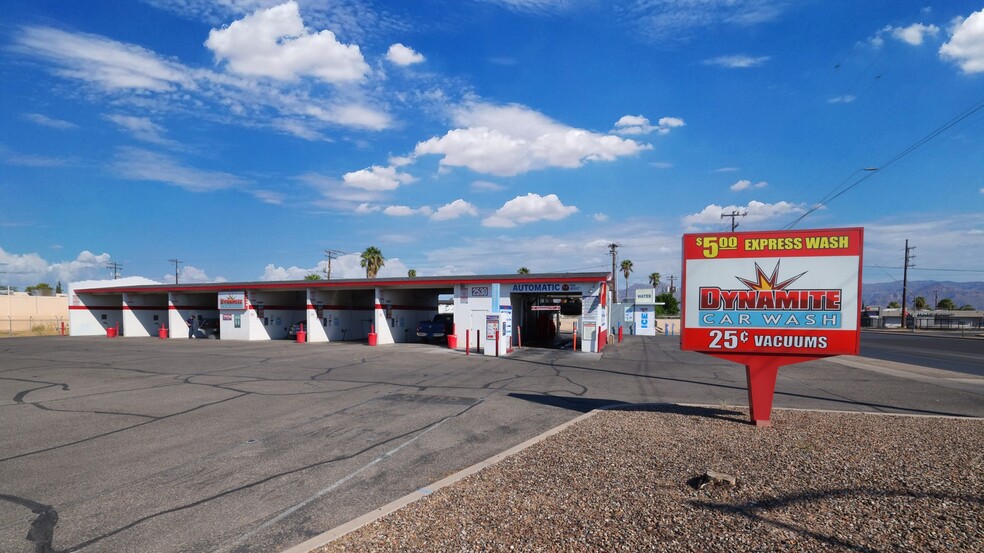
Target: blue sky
column 245, row 137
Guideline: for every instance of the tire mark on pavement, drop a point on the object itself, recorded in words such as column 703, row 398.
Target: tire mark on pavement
column 42, row 531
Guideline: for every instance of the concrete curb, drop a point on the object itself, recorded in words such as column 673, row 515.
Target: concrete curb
column 372, row 516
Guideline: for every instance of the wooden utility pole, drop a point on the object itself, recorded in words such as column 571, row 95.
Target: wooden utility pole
column 331, row 254
column 734, row 215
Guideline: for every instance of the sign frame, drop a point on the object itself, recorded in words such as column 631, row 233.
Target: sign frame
column 765, row 317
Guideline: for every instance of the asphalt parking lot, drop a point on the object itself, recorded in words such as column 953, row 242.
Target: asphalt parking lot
column 145, row 445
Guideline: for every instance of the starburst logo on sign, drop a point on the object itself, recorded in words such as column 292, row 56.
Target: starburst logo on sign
column 768, row 282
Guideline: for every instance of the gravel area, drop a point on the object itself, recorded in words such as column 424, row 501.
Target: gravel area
column 624, row 481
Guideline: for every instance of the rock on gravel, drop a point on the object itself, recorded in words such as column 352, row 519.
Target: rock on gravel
column 618, row 481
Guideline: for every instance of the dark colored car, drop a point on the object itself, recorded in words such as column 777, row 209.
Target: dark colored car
column 439, row 327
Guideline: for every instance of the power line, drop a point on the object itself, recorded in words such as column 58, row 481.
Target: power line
column 974, row 108
column 176, row 262
column 734, row 215
column 116, row 269
column 331, row 254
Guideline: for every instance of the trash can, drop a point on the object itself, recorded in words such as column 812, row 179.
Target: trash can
column 301, row 336
column 162, row 333
column 111, row 332
column 372, row 338
column 452, row 341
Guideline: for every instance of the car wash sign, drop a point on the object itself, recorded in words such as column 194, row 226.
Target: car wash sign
column 232, row 300
column 784, row 292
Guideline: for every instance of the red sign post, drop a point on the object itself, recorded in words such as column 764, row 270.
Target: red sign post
column 768, row 299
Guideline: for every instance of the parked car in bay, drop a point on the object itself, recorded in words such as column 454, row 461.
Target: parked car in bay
column 440, row 326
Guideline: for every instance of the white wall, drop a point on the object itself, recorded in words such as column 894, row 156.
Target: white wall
column 139, row 311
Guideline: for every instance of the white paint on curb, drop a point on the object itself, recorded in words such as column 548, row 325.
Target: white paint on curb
column 398, row 504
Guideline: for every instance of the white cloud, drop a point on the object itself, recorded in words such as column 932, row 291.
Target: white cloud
column 744, row 184
column 28, row 269
column 913, row 34
column 740, row 61
column 726, row 170
column 637, row 124
column 599, row 217
column 511, row 140
column 377, row 178
column 966, row 44
column 404, row 211
column 9, row 157
column 45, row 121
column 453, row 210
column 137, row 164
column 101, row 61
column 529, row 209
column 365, row 208
column 845, row 99
column 757, row 212
column 142, row 128
column 486, row 186
column 274, row 43
column 673, row 19
column 403, row 55
column 268, row 196
column 191, row 274
column 118, row 69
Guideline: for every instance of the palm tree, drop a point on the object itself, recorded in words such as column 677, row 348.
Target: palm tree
column 412, row 273
column 372, row 261
column 654, row 279
column 523, row 271
column 313, row 276
column 919, row 303
column 626, row 267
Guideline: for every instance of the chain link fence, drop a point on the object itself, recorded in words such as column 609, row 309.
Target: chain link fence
column 34, row 326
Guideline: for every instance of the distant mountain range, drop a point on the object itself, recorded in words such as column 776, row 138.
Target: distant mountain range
column 962, row 293
column 883, row 293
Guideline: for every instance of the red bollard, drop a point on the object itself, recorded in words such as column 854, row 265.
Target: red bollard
column 519, row 335
column 497, row 342
column 620, row 334
column 63, row 328
column 574, row 347
column 467, row 342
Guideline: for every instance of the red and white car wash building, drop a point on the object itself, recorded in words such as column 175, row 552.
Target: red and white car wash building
column 514, row 307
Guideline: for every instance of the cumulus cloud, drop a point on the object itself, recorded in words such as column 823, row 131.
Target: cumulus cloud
column 191, row 274
column 737, row 61
column 30, row 268
column 512, row 139
column 757, row 212
column 403, row 55
column 637, row 124
column 529, row 209
column 366, row 208
column 453, row 210
column 745, row 184
column 966, row 44
column 274, row 43
column 377, row 178
column 913, row 34
column 138, row 164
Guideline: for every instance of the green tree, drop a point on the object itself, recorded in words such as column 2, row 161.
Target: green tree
column 412, row 273
column 372, row 261
column 58, row 289
column 672, row 306
column 42, row 287
column 626, row 268
column 946, row 304
column 523, row 271
column 967, row 307
column 894, row 305
column 919, row 303
column 313, row 276
column 654, row 279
